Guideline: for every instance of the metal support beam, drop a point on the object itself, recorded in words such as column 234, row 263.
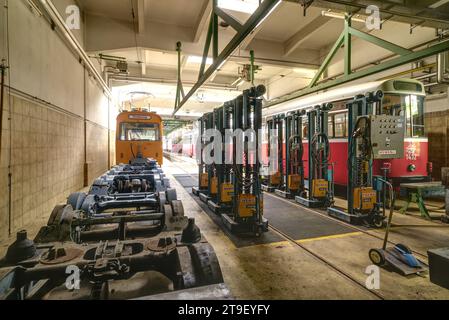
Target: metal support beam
column 346, row 5
column 251, row 54
column 215, row 31
column 328, row 59
column 206, row 46
column 345, row 38
column 171, row 125
column 348, row 45
column 393, row 63
column 264, row 9
column 379, row 42
column 237, row 26
column 179, row 87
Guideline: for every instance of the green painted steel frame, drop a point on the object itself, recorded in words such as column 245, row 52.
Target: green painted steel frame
column 405, row 56
column 212, row 36
column 172, row 125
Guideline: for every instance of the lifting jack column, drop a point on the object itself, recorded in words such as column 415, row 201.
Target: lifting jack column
column 223, row 189
column 247, row 214
column 320, row 183
column 274, row 180
column 292, row 169
column 373, row 135
column 203, row 176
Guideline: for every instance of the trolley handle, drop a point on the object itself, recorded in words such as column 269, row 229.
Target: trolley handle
column 390, row 217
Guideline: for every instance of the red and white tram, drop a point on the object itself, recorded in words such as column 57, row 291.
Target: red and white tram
column 401, row 97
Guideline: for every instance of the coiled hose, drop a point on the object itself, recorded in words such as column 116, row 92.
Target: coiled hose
column 296, row 156
column 318, row 154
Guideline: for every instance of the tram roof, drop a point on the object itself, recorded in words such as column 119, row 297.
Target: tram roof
column 400, row 85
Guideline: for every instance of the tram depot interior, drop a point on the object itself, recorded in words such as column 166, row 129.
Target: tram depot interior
column 108, row 165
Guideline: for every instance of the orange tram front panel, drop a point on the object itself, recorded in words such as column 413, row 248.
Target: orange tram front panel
column 138, row 132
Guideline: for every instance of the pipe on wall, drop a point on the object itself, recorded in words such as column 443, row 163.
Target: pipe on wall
column 2, row 99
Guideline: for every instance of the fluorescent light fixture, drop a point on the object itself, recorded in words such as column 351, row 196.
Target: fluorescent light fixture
column 236, row 81
column 198, row 60
column 438, row 4
column 338, row 15
column 221, row 64
column 242, row 81
column 246, row 6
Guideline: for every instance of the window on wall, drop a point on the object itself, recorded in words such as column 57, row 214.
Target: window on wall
column 340, row 125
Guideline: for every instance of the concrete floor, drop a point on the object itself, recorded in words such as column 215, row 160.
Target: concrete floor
column 283, row 270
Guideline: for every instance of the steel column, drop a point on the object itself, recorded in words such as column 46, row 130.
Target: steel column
column 253, row 21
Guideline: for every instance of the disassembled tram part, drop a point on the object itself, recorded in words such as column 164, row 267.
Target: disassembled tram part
column 116, row 238
column 107, row 269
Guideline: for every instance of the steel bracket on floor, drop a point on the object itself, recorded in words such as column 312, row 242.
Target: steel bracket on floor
column 219, row 58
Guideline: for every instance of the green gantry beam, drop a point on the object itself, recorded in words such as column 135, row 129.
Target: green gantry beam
column 405, row 56
column 219, row 58
column 172, row 125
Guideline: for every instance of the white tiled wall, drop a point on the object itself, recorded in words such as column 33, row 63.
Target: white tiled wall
column 47, row 161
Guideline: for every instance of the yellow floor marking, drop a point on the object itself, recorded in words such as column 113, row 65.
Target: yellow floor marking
column 280, row 243
column 269, row 244
column 335, row 236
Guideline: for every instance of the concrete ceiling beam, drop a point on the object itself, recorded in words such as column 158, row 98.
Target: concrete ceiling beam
column 203, row 19
column 304, row 33
column 141, row 4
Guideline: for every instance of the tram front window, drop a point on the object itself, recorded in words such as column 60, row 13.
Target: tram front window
column 139, row 131
column 411, row 106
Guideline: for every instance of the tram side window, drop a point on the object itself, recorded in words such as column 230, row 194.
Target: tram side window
column 341, row 129
column 135, row 131
column 415, row 114
column 265, row 133
column 412, row 106
column 330, row 126
column 305, row 130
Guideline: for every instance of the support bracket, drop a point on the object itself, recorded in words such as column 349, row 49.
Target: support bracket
column 219, row 58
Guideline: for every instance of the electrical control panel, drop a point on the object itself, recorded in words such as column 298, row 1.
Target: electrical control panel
column 387, row 136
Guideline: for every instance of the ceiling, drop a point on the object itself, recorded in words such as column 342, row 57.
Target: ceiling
column 288, row 44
